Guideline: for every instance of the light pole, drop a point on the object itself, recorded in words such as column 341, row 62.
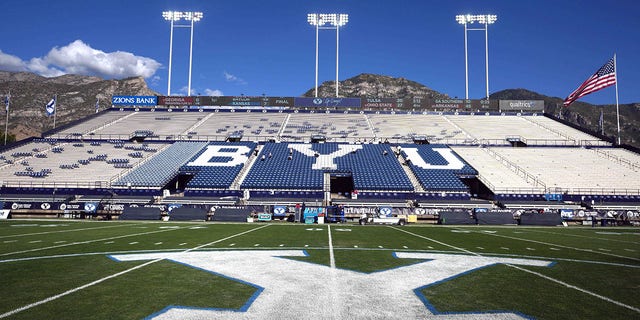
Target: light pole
column 340, row 20
column 482, row 19
column 335, row 21
column 177, row 16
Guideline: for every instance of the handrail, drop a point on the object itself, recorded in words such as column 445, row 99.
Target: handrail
column 619, row 160
column 552, row 130
column 515, row 168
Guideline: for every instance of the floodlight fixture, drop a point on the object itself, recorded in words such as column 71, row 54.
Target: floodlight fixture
column 192, row 16
column 334, row 21
column 486, row 20
column 177, row 16
column 340, row 20
column 172, row 15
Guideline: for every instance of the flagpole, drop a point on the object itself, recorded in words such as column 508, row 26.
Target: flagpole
column 615, row 70
column 6, row 123
column 55, row 109
column 601, row 122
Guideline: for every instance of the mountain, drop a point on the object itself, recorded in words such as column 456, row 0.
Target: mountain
column 585, row 115
column 375, row 86
column 76, row 98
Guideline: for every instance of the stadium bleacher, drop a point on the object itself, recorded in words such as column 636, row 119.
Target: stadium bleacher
column 394, row 157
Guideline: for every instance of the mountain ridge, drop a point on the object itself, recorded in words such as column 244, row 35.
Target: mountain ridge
column 367, row 85
column 76, row 98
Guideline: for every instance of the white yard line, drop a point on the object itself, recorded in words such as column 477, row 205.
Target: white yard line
column 581, row 236
column 63, row 231
column 533, row 272
column 332, row 259
column 436, row 241
column 84, row 242
column 560, row 246
column 355, row 247
column 35, row 304
column 577, row 288
column 335, row 302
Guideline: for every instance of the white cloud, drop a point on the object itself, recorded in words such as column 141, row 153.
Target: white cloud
column 11, row 63
column 155, row 80
column 41, row 67
column 232, row 78
column 183, row 92
column 80, row 58
column 213, row 92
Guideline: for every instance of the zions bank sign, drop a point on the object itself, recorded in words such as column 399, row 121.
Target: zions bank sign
column 134, row 100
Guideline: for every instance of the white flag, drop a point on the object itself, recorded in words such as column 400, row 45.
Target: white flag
column 50, row 108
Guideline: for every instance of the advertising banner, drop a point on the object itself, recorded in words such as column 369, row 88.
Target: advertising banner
column 178, row 101
column 279, row 211
column 522, row 105
column 134, row 100
column 328, row 102
column 566, row 213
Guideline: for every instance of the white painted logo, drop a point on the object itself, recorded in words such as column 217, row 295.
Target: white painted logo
column 289, row 289
column 325, row 161
column 90, row 207
column 238, row 155
column 454, row 162
column 386, row 211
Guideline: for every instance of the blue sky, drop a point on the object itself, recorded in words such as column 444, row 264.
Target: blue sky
column 256, row 47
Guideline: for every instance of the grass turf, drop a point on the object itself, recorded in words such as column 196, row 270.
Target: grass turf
column 40, row 259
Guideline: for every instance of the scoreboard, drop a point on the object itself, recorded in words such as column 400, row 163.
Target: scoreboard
column 414, row 103
column 228, row 101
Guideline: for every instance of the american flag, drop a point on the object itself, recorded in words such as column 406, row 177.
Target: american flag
column 604, row 77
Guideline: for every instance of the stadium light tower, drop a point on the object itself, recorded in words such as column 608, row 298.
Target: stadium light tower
column 177, row 16
column 486, row 19
column 334, row 21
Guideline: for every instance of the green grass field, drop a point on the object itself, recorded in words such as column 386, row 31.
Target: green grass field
column 63, row 269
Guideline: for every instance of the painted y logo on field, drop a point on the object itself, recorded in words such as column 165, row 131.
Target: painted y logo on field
column 288, row 289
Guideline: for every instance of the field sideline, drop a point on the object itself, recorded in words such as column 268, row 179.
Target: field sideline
column 66, row 269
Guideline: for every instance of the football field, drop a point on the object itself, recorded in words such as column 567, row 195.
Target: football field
column 66, row 269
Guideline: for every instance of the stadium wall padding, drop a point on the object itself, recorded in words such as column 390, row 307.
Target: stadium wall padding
column 540, row 219
column 448, row 217
column 187, row 214
column 231, row 214
column 140, row 213
column 495, row 218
